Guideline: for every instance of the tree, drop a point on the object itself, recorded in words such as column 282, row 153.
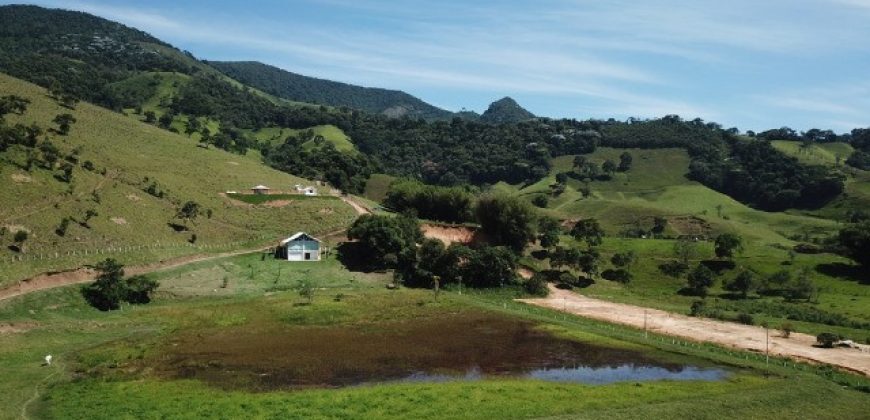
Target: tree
column 537, row 285
column 540, row 201
column 699, row 280
column 579, row 161
column 588, row 230
column 63, row 121
column 491, row 266
column 549, row 231
column 625, row 162
column 743, row 283
column 508, row 221
column 109, row 289
column 800, row 288
column 624, row 259
column 855, row 240
column 150, row 117
column 727, row 244
column 189, row 211
column 588, row 262
column 192, row 126
column 19, row 238
column 827, row 340
column 562, row 257
column 385, row 235
column 165, row 120
column 430, row 255
column 659, row 225
column 608, row 167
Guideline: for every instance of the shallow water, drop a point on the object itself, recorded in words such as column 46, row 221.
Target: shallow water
column 467, row 346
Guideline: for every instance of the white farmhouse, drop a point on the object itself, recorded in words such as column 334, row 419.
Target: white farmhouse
column 299, row 247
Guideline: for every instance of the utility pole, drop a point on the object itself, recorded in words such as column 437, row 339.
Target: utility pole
column 645, row 333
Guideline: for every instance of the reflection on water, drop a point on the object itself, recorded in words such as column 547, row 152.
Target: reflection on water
column 585, row 374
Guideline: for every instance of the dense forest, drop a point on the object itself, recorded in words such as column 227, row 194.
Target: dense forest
column 505, row 110
column 296, row 87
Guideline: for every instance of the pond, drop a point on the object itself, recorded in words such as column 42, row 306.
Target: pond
column 466, row 346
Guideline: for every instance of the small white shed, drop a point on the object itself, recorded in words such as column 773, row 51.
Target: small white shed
column 300, row 247
column 261, row 189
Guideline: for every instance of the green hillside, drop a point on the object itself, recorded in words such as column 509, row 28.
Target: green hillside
column 296, row 87
column 330, row 133
column 656, row 185
column 831, row 154
column 135, row 156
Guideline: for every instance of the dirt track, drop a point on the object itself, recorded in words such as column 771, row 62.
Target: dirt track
column 746, row 337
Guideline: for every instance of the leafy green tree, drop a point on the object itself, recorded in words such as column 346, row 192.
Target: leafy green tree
column 385, row 235
column 508, row 221
column 727, row 245
column 624, row 259
column 150, row 117
column 19, row 238
column 491, row 266
column 430, row 256
column 855, row 239
column 63, row 121
column 165, row 120
column 800, row 288
column 659, row 225
column 192, row 125
column 588, row 230
column 109, row 289
column 537, row 285
column 565, row 257
column 589, row 262
column 549, row 231
column 699, row 280
column 625, row 162
column 743, row 283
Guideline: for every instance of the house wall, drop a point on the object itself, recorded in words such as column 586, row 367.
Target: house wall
column 296, row 250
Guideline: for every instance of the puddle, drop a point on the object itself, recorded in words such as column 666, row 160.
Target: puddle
column 466, row 346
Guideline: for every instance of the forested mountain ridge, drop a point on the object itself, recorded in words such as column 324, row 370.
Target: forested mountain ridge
column 296, row 87
column 505, row 110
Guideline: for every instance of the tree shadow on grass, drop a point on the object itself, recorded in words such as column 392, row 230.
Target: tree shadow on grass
column 355, row 257
column 845, row 271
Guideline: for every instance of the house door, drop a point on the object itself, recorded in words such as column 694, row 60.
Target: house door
column 307, row 256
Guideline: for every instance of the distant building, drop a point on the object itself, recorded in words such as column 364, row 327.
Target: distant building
column 299, row 247
column 310, row 191
column 261, row 189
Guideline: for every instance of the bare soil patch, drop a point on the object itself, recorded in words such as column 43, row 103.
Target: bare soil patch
column 451, row 234
column 690, row 225
column 21, row 178
column 134, row 197
column 229, row 162
column 277, row 203
column 119, row 220
column 16, row 327
column 744, row 337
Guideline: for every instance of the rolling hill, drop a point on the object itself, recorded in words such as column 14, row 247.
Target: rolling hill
column 139, row 177
column 505, row 110
column 296, row 87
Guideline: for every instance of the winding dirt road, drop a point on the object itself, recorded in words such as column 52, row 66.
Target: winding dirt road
column 745, row 337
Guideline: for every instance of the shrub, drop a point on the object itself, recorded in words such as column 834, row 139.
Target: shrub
column 698, row 308
column 619, row 275
column 745, row 319
column 827, row 340
column 787, row 328
column 673, row 268
column 139, row 289
column 537, row 285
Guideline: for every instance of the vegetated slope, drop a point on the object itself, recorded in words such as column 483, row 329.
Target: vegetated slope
column 141, row 177
column 315, row 136
column 505, row 110
column 656, row 186
column 830, row 154
column 297, row 87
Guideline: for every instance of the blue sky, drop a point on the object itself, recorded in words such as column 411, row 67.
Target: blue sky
column 754, row 64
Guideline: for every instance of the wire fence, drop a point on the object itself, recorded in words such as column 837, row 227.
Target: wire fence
column 754, row 359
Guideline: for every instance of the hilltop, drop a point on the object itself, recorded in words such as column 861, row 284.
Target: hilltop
column 296, row 87
column 505, row 110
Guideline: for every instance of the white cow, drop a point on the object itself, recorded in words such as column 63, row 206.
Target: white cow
column 48, row 360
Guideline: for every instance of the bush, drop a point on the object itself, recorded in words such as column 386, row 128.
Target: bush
column 698, row 308
column 110, row 288
column 139, row 289
column 787, row 328
column 827, row 340
column 540, row 201
column 619, row 275
column 537, row 285
column 745, row 319
column 673, row 268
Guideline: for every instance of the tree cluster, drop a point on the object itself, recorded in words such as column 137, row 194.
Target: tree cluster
column 111, row 288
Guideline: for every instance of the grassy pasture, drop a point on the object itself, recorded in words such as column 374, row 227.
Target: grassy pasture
column 828, row 154
column 96, row 354
column 129, row 152
column 330, row 133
